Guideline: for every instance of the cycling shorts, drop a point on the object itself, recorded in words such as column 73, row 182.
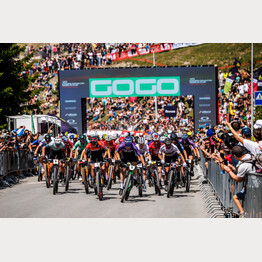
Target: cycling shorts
column 129, row 157
column 96, row 156
column 169, row 159
column 155, row 158
column 59, row 154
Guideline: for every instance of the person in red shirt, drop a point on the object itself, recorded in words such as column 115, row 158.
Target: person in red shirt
column 96, row 150
column 154, row 151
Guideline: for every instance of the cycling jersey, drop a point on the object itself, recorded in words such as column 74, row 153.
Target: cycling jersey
column 111, row 146
column 96, row 151
column 99, row 146
column 145, row 149
column 53, row 146
column 169, row 151
column 44, row 143
column 128, row 155
column 154, row 151
column 187, row 144
column 80, row 147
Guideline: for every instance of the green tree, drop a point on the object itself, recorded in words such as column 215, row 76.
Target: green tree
column 13, row 80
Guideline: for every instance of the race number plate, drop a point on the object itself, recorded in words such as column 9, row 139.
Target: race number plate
column 131, row 167
column 55, row 161
column 139, row 165
column 97, row 164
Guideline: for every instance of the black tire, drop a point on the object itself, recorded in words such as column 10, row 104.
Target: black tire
column 98, row 185
column 55, row 181
column 157, row 183
column 173, row 184
column 86, row 184
column 170, row 183
column 114, row 177
column 67, row 178
column 187, row 178
column 74, row 173
column 109, row 185
column 40, row 177
column 47, row 178
column 140, row 183
column 126, row 192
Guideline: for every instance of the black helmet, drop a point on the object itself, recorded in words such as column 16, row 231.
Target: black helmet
column 173, row 136
column 168, row 141
column 47, row 137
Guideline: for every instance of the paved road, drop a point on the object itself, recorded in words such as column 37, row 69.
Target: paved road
column 32, row 199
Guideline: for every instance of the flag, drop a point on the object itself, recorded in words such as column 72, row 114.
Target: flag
column 259, row 79
column 230, row 79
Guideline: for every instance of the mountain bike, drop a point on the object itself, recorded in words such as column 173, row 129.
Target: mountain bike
column 173, row 178
column 112, row 172
column 55, row 175
column 84, row 172
column 187, row 175
column 46, row 163
column 129, row 180
column 69, row 172
column 156, row 180
column 99, row 181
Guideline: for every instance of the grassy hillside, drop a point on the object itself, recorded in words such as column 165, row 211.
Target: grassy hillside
column 207, row 54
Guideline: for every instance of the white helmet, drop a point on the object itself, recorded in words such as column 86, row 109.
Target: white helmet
column 141, row 140
column 58, row 140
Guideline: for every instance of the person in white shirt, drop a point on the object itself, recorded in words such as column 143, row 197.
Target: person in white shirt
column 242, row 169
column 255, row 148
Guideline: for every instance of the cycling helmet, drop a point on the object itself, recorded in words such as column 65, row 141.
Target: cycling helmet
column 64, row 139
column 82, row 138
column 173, row 136
column 128, row 141
column 149, row 138
column 168, row 141
column 114, row 137
column 121, row 139
column 108, row 138
column 163, row 138
column 58, row 140
column 104, row 136
column 155, row 137
column 184, row 137
column 189, row 133
column 141, row 140
column 93, row 140
column 165, row 135
column 47, row 137
column 246, row 131
column 71, row 136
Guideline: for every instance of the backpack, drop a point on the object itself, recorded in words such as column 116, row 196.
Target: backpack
column 256, row 162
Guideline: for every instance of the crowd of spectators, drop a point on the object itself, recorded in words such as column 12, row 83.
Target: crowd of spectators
column 136, row 114
column 236, row 105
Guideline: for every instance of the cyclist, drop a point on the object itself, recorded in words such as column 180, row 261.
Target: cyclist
column 111, row 145
column 57, row 150
column 144, row 150
column 169, row 153
column 127, row 152
column 47, row 139
column 154, row 148
column 95, row 149
column 190, row 149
